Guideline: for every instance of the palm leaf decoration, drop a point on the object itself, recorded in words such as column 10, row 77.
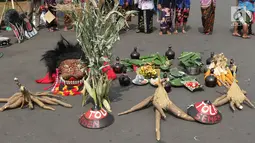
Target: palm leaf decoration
column 97, row 29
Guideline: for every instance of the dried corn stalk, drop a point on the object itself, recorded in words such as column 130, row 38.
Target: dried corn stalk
column 97, row 29
column 161, row 102
column 25, row 97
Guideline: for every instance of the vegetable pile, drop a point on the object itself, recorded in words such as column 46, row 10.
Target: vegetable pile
column 154, row 59
column 178, row 78
column 190, row 59
column 147, row 71
column 221, row 70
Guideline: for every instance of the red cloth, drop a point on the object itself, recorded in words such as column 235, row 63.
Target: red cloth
column 135, row 68
column 109, row 71
column 47, row 79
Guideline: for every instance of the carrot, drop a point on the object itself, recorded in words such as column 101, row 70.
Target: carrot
column 229, row 81
column 218, row 82
column 207, row 73
column 223, row 78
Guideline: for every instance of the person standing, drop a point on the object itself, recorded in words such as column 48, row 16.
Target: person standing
column 182, row 14
column 208, row 15
column 167, row 13
column 52, row 26
column 145, row 16
column 34, row 11
column 246, row 7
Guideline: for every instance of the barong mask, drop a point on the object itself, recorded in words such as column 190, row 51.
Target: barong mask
column 68, row 62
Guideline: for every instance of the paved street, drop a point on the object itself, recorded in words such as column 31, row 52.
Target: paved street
column 61, row 126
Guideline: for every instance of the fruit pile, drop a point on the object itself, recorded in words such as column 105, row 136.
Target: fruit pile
column 147, row 71
column 192, row 85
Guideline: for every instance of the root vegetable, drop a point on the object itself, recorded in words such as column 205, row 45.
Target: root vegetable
column 25, row 97
column 37, row 101
column 59, row 102
column 161, row 102
column 157, row 118
column 47, row 101
column 235, row 96
column 3, row 99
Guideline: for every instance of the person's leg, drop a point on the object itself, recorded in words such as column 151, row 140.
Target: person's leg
column 30, row 5
column 250, row 30
column 235, row 32
column 177, row 20
column 37, row 14
column 185, row 19
column 245, row 31
column 140, row 21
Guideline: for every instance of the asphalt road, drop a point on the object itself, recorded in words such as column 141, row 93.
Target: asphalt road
column 61, row 126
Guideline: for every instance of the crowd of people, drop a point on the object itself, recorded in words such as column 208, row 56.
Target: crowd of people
column 171, row 14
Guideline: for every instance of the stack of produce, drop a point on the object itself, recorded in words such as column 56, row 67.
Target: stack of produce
column 221, row 71
column 190, row 59
column 147, row 71
column 154, row 59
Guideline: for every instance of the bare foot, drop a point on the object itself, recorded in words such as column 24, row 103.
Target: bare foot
column 168, row 32
column 236, row 34
column 72, row 29
column 65, row 29
column 160, row 33
column 246, row 37
column 183, row 31
column 176, row 32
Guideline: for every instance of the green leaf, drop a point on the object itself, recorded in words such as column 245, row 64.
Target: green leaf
column 107, row 105
column 92, row 92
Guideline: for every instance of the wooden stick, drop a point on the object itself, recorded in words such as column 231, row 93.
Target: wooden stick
column 157, row 118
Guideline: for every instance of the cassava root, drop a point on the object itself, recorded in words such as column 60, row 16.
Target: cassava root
column 25, row 97
column 161, row 102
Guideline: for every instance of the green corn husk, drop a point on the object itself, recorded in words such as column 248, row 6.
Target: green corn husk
column 107, row 105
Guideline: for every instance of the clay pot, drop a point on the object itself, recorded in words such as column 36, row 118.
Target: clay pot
column 211, row 80
column 135, row 54
column 124, row 79
column 117, row 67
column 209, row 60
column 170, row 54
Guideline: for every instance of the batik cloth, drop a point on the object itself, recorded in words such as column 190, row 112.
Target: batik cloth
column 145, row 15
column 208, row 14
column 182, row 12
column 166, row 20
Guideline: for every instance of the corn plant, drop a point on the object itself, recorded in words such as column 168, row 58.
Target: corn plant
column 97, row 29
